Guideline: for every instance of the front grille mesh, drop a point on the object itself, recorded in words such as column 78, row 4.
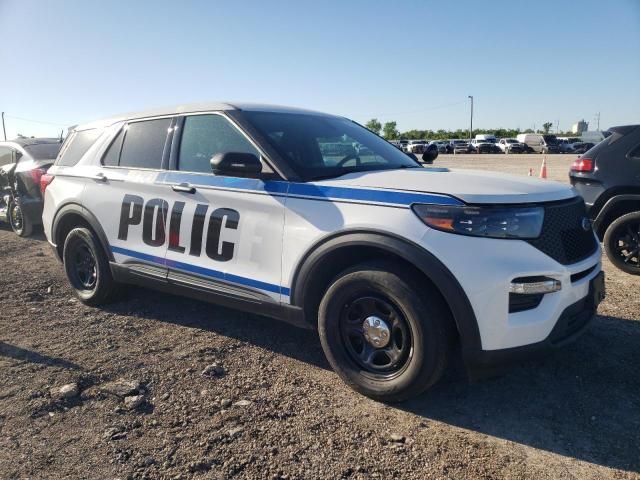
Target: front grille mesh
column 563, row 237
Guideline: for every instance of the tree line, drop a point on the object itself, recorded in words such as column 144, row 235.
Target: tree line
column 390, row 131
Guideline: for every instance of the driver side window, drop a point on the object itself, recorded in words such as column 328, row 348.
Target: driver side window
column 203, row 136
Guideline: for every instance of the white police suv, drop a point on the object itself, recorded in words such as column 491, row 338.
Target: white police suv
column 312, row 219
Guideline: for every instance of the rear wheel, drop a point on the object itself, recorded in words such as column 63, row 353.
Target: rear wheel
column 87, row 268
column 622, row 243
column 381, row 337
column 19, row 222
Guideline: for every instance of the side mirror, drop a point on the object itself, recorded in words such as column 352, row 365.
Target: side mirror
column 430, row 154
column 236, row 164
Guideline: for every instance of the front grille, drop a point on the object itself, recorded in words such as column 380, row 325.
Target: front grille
column 563, row 237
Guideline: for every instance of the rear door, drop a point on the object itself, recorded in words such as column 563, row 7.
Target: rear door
column 125, row 196
column 225, row 231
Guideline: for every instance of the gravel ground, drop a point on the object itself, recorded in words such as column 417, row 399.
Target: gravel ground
column 157, row 386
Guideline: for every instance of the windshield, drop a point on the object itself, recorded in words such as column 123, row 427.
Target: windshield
column 43, row 151
column 318, row 147
column 550, row 139
column 511, row 140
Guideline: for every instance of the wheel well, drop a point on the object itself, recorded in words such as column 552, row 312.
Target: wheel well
column 341, row 259
column 65, row 225
column 616, row 211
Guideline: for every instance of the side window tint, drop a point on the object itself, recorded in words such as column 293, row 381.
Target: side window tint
column 6, row 156
column 77, row 147
column 205, row 135
column 112, row 155
column 635, row 153
column 144, row 143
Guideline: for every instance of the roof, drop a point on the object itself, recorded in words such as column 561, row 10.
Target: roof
column 197, row 107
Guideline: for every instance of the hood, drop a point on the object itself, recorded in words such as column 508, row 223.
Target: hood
column 470, row 186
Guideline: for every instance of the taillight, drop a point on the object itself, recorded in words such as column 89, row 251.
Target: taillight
column 582, row 165
column 36, row 174
column 45, row 181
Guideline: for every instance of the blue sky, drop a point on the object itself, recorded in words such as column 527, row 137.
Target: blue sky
column 68, row 61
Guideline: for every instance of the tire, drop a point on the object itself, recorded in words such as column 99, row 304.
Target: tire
column 20, row 224
column 621, row 240
column 419, row 337
column 87, row 268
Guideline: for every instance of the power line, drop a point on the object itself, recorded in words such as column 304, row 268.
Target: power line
column 36, row 121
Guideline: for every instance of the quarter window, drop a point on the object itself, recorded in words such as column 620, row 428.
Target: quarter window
column 144, row 143
column 635, row 153
column 204, row 136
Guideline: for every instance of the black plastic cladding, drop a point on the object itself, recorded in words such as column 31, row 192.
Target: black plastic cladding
column 563, row 237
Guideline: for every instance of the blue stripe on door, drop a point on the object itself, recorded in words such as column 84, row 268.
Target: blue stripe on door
column 207, row 272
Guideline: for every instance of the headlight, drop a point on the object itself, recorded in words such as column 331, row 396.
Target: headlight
column 493, row 222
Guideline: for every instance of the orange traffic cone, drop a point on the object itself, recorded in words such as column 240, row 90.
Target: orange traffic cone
column 531, row 172
column 543, row 169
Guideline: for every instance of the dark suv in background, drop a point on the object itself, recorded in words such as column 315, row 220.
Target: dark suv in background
column 23, row 162
column 608, row 177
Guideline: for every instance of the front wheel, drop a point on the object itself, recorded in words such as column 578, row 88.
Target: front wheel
column 382, row 338
column 622, row 243
column 87, row 268
column 19, row 222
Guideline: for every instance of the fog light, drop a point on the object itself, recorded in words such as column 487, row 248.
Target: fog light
column 533, row 285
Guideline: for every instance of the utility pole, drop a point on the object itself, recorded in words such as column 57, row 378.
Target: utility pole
column 471, row 122
column 598, row 120
column 4, row 130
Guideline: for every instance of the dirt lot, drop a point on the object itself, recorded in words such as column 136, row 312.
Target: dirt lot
column 272, row 408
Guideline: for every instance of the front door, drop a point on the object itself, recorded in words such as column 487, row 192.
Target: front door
column 224, row 233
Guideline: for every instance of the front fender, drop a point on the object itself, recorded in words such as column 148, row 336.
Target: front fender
column 426, row 262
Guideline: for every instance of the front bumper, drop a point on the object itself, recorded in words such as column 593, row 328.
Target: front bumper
column 485, row 269
column 571, row 324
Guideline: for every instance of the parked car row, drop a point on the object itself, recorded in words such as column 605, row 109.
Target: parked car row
column 484, row 143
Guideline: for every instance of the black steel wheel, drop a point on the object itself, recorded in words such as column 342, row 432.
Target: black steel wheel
column 386, row 337
column 87, row 267
column 376, row 335
column 622, row 243
column 84, row 268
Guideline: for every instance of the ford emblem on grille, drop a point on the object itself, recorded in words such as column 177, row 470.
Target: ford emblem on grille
column 586, row 224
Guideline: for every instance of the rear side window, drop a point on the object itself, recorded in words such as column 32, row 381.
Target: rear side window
column 43, row 151
column 205, row 135
column 77, row 146
column 635, row 153
column 144, row 144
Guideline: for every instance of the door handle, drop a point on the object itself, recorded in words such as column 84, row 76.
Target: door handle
column 184, row 188
column 100, row 177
